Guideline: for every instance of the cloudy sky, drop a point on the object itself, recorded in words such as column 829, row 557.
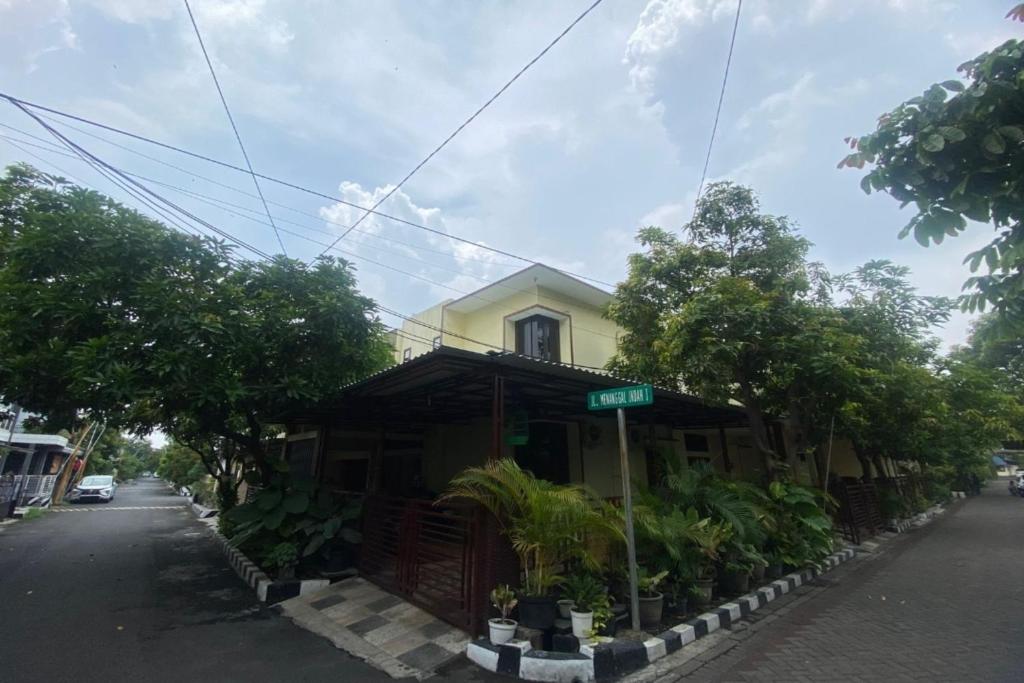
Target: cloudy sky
column 605, row 134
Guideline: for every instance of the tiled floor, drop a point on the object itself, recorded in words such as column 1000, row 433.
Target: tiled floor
column 381, row 628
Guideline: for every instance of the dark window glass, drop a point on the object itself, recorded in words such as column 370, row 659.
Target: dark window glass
column 537, row 336
column 696, row 443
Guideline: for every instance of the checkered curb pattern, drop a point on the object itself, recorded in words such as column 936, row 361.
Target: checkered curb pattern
column 267, row 590
column 617, row 658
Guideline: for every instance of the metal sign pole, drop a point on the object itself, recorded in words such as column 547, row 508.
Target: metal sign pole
column 627, row 501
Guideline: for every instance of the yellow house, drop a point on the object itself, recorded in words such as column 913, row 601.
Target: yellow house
column 538, row 312
column 503, row 372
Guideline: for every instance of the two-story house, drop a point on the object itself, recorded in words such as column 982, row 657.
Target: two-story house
column 503, row 372
column 538, row 312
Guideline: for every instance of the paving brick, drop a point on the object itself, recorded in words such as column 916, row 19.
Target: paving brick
column 943, row 616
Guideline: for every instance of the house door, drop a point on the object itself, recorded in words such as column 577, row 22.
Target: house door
column 546, row 454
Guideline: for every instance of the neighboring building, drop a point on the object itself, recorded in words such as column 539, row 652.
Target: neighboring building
column 30, row 466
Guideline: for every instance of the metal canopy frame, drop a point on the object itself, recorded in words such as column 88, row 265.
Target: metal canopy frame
column 449, row 385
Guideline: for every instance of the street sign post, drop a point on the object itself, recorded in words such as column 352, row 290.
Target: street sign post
column 620, row 399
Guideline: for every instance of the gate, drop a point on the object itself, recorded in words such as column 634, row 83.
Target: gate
column 425, row 555
column 858, row 509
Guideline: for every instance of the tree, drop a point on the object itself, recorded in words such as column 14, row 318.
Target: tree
column 956, row 153
column 124, row 455
column 180, row 465
column 106, row 312
column 710, row 314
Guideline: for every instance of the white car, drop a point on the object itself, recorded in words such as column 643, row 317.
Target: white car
column 99, row 487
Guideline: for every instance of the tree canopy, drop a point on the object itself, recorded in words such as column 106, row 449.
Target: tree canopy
column 735, row 311
column 107, row 313
column 956, row 152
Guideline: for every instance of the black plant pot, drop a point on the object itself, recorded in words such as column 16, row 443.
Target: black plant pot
column 537, row 612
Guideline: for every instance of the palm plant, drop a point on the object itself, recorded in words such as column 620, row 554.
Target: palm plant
column 547, row 524
column 742, row 506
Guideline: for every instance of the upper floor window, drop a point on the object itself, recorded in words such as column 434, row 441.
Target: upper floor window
column 407, row 354
column 436, row 344
column 537, row 336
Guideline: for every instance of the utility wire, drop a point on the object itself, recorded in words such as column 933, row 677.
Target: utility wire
column 300, row 212
column 294, row 186
column 220, row 204
column 231, row 120
column 718, row 110
column 92, row 159
column 86, row 154
column 468, row 121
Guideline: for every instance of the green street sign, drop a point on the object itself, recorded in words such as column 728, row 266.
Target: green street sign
column 621, row 397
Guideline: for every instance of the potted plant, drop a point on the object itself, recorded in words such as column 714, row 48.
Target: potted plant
column 565, row 606
column 714, row 536
column 652, row 601
column 604, row 623
column 281, row 560
column 547, row 524
column 585, row 592
column 502, row 629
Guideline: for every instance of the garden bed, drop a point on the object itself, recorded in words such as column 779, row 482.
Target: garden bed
column 613, row 657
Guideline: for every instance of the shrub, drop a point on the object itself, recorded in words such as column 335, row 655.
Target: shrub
column 295, row 514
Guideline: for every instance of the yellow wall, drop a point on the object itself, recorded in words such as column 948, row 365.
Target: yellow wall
column 586, row 338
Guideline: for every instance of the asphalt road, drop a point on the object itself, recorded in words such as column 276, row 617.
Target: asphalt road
column 107, row 594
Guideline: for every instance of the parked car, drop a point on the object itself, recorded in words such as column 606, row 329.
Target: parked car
column 98, row 487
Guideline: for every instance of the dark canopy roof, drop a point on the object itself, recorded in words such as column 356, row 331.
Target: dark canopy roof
column 452, row 385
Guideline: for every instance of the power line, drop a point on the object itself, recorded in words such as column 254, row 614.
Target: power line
column 220, row 204
column 15, row 143
column 231, row 120
column 718, row 110
column 86, row 154
column 468, row 121
column 293, row 186
column 300, row 212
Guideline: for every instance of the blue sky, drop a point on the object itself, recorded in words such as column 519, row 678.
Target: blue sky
column 605, row 134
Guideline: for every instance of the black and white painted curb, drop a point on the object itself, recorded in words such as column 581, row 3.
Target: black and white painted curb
column 606, row 661
column 267, row 589
column 203, row 512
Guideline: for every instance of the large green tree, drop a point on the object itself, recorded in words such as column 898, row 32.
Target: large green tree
column 108, row 313
column 710, row 313
column 956, row 152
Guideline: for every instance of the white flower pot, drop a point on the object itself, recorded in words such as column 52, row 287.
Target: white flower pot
column 582, row 623
column 501, row 630
column 564, row 608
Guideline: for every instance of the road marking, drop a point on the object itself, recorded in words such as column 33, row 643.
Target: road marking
column 106, row 508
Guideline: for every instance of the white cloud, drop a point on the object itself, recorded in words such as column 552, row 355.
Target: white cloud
column 658, row 31
column 669, row 216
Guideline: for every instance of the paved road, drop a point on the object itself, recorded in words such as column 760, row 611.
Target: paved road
column 107, row 594
column 943, row 603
